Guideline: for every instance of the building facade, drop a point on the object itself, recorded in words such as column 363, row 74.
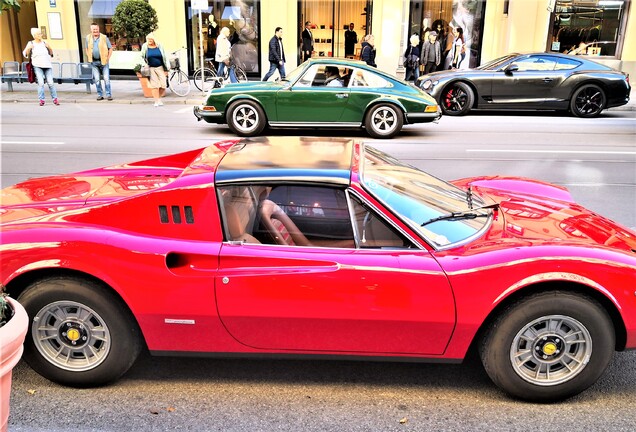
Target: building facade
column 603, row 29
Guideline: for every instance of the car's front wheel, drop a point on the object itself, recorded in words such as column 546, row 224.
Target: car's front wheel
column 80, row 335
column 457, row 99
column 246, row 118
column 588, row 101
column 549, row 346
column 384, row 121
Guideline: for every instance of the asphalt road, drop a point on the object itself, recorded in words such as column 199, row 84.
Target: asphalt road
column 595, row 159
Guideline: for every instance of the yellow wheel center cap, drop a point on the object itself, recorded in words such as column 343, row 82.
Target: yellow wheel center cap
column 550, row 348
column 73, row 335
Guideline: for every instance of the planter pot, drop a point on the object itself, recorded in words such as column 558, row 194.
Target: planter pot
column 144, row 85
column 11, row 340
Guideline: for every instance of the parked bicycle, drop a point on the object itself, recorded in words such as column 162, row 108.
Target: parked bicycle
column 211, row 75
column 178, row 80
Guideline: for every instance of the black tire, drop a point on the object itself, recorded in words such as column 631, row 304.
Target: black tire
column 384, row 121
column 80, row 335
column 531, row 361
column 210, row 79
column 457, row 99
column 588, row 101
column 246, row 118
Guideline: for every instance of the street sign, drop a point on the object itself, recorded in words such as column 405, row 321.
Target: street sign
column 200, row 4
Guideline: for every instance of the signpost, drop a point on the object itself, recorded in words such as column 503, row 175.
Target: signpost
column 201, row 5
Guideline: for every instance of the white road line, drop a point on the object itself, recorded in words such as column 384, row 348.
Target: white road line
column 33, row 142
column 551, row 151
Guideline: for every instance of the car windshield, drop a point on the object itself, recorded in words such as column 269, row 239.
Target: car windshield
column 496, row 64
column 293, row 75
column 418, row 198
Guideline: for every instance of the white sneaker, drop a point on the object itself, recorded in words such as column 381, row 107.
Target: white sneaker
column 156, row 104
column 159, row 103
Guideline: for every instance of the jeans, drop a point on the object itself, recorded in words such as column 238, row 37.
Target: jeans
column 272, row 69
column 41, row 74
column 98, row 69
column 221, row 72
column 412, row 73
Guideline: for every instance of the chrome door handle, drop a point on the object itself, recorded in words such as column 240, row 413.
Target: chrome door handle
column 547, row 80
column 342, row 95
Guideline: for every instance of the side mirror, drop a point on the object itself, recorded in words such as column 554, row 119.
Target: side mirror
column 511, row 68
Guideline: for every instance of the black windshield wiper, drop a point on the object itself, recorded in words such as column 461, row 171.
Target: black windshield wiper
column 471, row 214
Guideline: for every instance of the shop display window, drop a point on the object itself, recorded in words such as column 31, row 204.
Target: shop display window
column 592, row 28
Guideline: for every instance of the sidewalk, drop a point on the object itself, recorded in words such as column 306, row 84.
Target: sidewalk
column 125, row 91
column 128, row 91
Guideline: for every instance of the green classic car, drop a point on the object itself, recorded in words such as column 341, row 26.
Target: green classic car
column 321, row 92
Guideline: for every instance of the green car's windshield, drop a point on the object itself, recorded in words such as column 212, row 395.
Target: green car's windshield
column 496, row 64
column 293, row 75
column 423, row 201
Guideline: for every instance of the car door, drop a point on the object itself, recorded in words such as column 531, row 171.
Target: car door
column 527, row 81
column 385, row 297
column 309, row 100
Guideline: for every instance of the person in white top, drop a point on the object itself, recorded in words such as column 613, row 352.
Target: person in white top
column 40, row 53
column 224, row 53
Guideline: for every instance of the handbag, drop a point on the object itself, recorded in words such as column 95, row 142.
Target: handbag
column 145, row 70
column 30, row 72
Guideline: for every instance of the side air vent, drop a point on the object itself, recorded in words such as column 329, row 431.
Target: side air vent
column 176, row 214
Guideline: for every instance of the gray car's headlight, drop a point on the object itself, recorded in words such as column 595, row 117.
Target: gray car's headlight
column 428, row 84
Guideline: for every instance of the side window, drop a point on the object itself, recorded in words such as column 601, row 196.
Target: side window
column 311, row 76
column 304, row 216
column 535, row 64
column 238, row 205
column 364, row 78
column 566, row 64
column 373, row 232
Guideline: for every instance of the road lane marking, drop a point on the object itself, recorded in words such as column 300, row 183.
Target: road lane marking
column 552, row 151
column 33, row 142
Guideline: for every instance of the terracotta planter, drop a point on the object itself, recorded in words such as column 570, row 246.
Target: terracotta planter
column 11, row 340
column 144, row 85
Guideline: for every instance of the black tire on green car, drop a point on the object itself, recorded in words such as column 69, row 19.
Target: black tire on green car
column 80, row 334
column 549, row 346
column 246, row 118
column 384, row 121
column 457, row 99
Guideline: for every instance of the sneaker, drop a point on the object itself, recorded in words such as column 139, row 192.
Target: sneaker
column 100, row 97
column 159, row 103
column 56, row 102
column 156, row 104
column 41, row 102
column 109, row 98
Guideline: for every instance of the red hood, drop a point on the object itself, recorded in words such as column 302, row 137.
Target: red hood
column 546, row 212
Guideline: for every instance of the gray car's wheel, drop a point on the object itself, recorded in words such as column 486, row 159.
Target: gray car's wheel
column 384, row 121
column 80, row 335
column 549, row 346
column 456, row 99
column 246, row 118
column 588, row 101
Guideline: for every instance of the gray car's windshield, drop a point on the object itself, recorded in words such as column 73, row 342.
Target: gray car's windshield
column 496, row 64
column 422, row 200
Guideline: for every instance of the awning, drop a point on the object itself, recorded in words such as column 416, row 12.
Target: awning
column 103, row 8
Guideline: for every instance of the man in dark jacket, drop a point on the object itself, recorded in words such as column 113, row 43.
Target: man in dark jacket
column 308, row 41
column 351, row 39
column 276, row 55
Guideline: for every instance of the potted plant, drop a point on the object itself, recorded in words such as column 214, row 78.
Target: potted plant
column 133, row 20
column 143, row 80
column 14, row 323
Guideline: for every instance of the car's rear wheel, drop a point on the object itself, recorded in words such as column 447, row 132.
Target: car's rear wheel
column 549, row 346
column 384, row 121
column 588, row 101
column 80, row 335
column 246, row 118
column 457, row 99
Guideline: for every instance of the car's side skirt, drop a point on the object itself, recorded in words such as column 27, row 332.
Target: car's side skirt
column 314, row 124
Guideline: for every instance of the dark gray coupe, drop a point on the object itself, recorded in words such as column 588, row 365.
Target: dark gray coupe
column 537, row 81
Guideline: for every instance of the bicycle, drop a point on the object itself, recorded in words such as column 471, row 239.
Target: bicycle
column 178, row 81
column 212, row 79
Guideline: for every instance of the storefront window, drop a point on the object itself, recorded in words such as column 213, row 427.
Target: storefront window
column 588, row 27
column 331, row 19
column 442, row 16
column 240, row 16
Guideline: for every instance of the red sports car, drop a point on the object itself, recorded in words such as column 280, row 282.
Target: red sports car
column 316, row 246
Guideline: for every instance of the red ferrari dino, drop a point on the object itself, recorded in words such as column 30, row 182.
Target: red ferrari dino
column 316, row 246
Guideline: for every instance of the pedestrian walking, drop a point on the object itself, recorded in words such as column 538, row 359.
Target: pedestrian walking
column 98, row 51
column 154, row 55
column 367, row 54
column 224, row 53
column 40, row 54
column 276, row 55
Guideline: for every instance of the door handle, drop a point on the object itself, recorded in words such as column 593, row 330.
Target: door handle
column 547, row 80
column 342, row 95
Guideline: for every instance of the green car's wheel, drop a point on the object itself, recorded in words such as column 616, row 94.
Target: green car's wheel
column 246, row 118
column 383, row 121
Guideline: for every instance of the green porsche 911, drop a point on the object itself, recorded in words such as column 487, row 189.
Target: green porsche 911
column 321, row 92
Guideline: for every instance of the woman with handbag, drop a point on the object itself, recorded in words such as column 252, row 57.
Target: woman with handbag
column 154, row 55
column 40, row 53
column 412, row 59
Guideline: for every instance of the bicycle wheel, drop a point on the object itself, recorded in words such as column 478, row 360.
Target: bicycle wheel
column 240, row 74
column 179, row 83
column 210, row 79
